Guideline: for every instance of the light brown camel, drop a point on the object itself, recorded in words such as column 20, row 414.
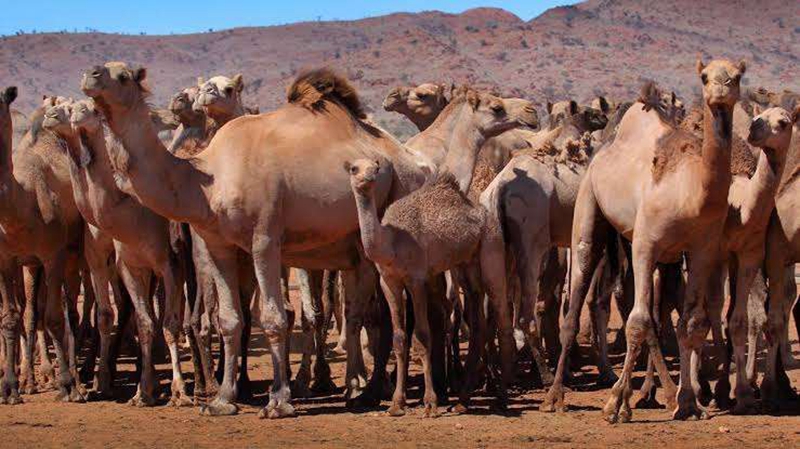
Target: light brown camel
column 140, row 237
column 221, row 98
column 782, row 252
column 669, row 190
column 421, row 104
column 191, row 136
column 437, row 228
column 41, row 225
column 262, row 204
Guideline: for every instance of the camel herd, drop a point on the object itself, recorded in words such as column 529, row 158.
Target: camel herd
column 188, row 220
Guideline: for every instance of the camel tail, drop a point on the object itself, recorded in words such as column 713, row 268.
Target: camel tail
column 312, row 87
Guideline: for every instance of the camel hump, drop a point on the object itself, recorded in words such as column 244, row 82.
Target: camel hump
column 313, row 87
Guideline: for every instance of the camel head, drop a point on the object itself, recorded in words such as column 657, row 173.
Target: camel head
column 426, row 100
column 666, row 104
column 773, row 129
column 85, row 118
column 115, row 85
column 181, row 104
column 559, row 112
column 220, row 94
column 721, row 80
column 363, row 174
column 56, row 119
column 7, row 97
column 760, row 96
column 585, row 118
column 493, row 115
column 603, row 105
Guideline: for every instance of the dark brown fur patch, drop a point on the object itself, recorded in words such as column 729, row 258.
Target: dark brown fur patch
column 671, row 149
column 743, row 158
column 313, row 87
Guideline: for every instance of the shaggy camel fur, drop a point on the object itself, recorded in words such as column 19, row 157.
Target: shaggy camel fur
column 140, row 238
column 782, row 252
column 421, row 104
column 436, row 228
column 274, row 222
column 683, row 211
column 40, row 225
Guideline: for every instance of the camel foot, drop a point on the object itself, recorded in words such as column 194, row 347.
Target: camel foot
column 27, row 383
column 71, row 393
column 10, row 393
column 323, row 386
column 218, row 407
column 745, row 405
column 179, row 397
column 607, row 378
column 142, row 400
column 546, row 377
column 396, row 410
column 100, row 395
column 648, row 401
column 459, row 409
column 277, row 409
column 431, row 411
column 554, row 400
column 722, row 394
column 615, row 411
column 366, row 400
column 688, row 410
column 48, row 373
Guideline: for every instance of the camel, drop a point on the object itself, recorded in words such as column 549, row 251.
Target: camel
column 273, row 223
column 782, row 252
column 40, row 225
column 191, row 135
column 141, row 242
column 421, row 104
column 436, row 228
column 676, row 206
column 221, row 98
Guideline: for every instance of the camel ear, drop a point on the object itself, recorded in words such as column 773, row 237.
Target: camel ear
column 473, row 99
column 604, row 106
column 48, row 101
column 347, row 166
column 549, row 107
column 9, row 95
column 700, row 65
column 796, row 114
column 573, row 107
column 742, row 66
column 139, row 74
column 238, row 82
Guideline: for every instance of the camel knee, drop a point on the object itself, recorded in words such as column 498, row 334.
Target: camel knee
column 638, row 325
column 105, row 320
column 399, row 340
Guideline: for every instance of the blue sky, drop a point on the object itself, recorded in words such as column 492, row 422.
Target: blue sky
column 187, row 16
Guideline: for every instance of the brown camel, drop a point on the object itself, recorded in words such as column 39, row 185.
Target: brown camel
column 191, row 136
column 140, row 237
column 221, row 98
column 437, row 228
column 41, row 225
column 782, row 252
column 678, row 206
column 262, row 204
column 421, row 104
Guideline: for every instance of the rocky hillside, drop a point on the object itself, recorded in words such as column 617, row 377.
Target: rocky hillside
column 606, row 46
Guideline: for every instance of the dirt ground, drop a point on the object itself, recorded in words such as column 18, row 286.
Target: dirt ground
column 41, row 422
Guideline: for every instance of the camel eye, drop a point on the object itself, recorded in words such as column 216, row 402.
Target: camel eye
column 704, row 78
column 783, row 124
column 423, row 96
column 229, row 90
column 497, row 109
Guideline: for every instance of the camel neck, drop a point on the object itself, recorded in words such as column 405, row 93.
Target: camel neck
column 768, row 175
column 223, row 117
column 422, row 122
column 717, row 138
column 6, row 147
column 373, row 235
column 100, row 172
column 170, row 186
column 462, row 146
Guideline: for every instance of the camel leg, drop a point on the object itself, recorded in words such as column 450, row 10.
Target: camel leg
column 393, row 290
column 422, row 332
column 270, row 314
column 173, row 288
column 300, row 388
column 589, row 232
column 738, row 324
column 248, row 295
column 600, row 312
column 30, row 285
column 323, row 303
column 771, row 393
column 354, row 311
column 85, row 328
column 38, row 286
column 757, row 318
column 476, row 319
column 11, row 323
column 548, row 312
column 72, row 285
column 720, row 362
column 201, row 318
column 791, row 293
column 58, row 327
column 137, row 282
column 220, row 262
column 100, row 273
column 693, row 327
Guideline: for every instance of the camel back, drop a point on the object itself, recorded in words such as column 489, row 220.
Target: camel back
column 313, row 87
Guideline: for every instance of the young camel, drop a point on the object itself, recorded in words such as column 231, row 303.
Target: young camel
column 40, row 225
column 140, row 237
column 782, row 252
column 264, row 203
column 677, row 206
column 436, row 228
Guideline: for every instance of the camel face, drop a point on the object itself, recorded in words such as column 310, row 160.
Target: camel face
column 219, row 92
column 84, row 116
column 114, row 83
column 494, row 115
column 721, row 80
column 771, row 129
column 396, row 99
column 182, row 103
column 363, row 174
column 426, row 99
column 56, row 119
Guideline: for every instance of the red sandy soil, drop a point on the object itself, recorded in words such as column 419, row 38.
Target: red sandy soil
column 41, row 422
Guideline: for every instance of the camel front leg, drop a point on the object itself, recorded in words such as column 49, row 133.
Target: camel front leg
column 393, row 290
column 748, row 265
column 772, row 396
column 137, row 283
column 307, row 324
column 10, row 325
column 422, row 332
column 100, row 273
column 173, row 286
column 29, row 284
